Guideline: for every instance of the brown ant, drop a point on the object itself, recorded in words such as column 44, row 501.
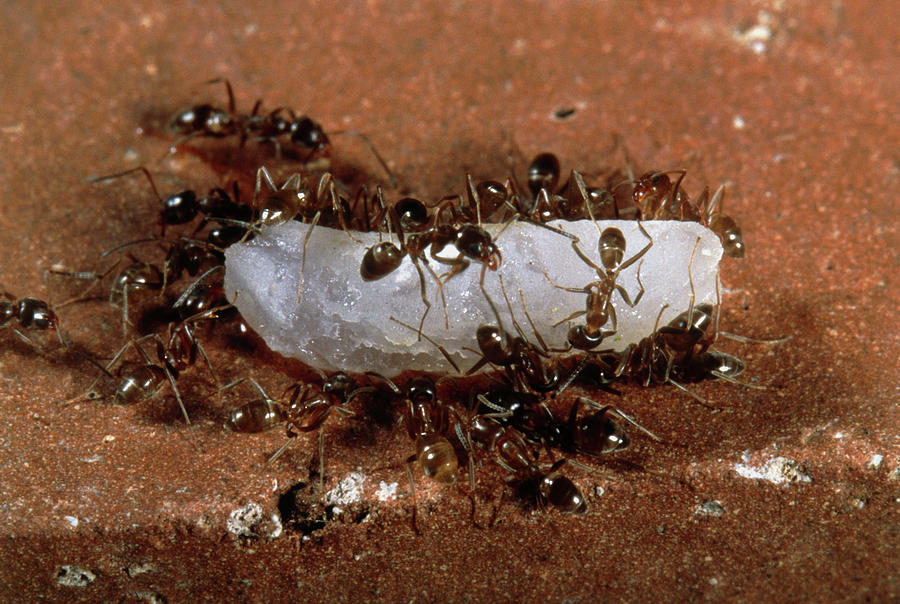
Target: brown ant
column 574, row 200
column 427, row 421
column 528, row 366
column 30, row 314
column 599, row 308
column 301, row 198
column 471, row 241
column 178, row 351
column 658, row 198
column 306, row 407
column 720, row 223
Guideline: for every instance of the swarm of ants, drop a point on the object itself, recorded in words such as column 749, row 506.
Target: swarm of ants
column 455, row 426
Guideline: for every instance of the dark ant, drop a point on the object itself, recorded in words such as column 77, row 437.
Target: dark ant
column 182, row 207
column 512, row 453
column 721, row 224
column 256, row 416
column 184, row 255
column 30, row 314
column 574, row 200
column 136, row 277
column 306, row 407
column 298, row 198
column 596, row 434
column 209, row 121
column 427, row 421
column 178, row 351
column 529, row 367
column 599, row 308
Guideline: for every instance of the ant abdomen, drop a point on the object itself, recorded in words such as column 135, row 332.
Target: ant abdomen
column 580, row 338
column 437, row 457
column 380, row 260
column 492, row 195
column 563, row 494
column 598, row 434
column 206, row 119
column 730, row 233
column 543, row 173
column 139, row 384
column 254, row 417
column 611, row 247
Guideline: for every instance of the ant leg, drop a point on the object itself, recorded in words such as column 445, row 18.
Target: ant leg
column 442, row 350
column 303, row 256
column 412, row 490
column 322, row 460
column 281, row 449
column 693, row 394
column 749, row 340
column 230, row 92
column 574, row 290
column 177, row 395
column 423, row 293
column 440, row 288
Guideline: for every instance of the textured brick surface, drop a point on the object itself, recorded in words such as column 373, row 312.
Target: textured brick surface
column 794, row 104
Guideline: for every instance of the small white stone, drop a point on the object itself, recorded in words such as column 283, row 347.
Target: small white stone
column 344, row 322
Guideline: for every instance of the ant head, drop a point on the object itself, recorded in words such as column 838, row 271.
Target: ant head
column 308, row 133
column 421, row 389
column 476, row 243
column 339, row 383
column 412, row 213
column 651, row 183
column 611, row 247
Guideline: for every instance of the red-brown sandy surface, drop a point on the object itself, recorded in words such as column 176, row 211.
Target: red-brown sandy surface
column 803, row 127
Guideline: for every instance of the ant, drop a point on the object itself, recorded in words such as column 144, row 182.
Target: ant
column 210, row 121
column 182, row 207
column 596, row 434
column 599, row 308
column 306, row 408
column 574, row 200
column 30, row 314
column 427, row 421
column 471, row 241
column 175, row 353
column 298, row 198
column 658, row 198
column 513, row 454
column 528, row 367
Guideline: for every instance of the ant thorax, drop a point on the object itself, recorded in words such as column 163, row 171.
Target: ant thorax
column 344, row 321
